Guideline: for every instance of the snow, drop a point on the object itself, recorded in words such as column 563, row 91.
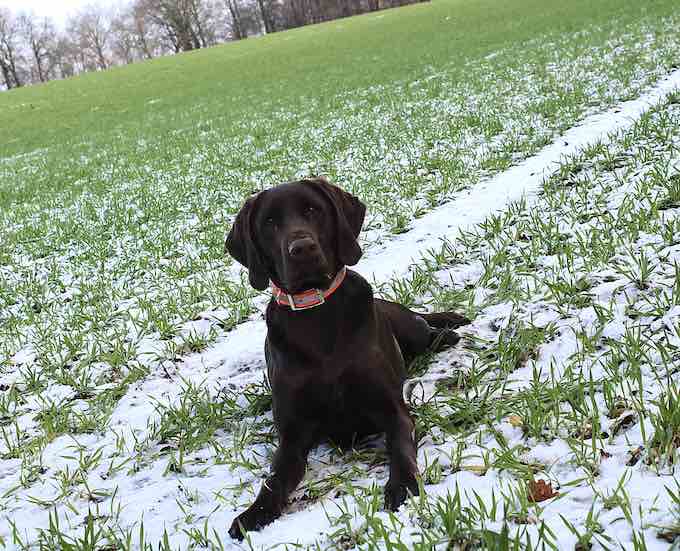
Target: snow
column 523, row 180
column 237, row 359
column 234, row 357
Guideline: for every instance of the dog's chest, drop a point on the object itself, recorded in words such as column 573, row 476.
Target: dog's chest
column 337, row 402
column 329, row 390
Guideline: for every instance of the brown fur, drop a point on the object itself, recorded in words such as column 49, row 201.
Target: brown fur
column 337, row 370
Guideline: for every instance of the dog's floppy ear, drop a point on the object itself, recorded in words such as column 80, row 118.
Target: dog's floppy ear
column 349, row 213
column 241, row 246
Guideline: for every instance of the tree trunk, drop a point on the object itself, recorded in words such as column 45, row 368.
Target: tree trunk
column 236, row 19
column 144, row 46
column 198, row 35
column 184, row 39
column 38, row 61
column 195, row 39
column 266, row 17
column 13, row 70
column 101, row 60
column 6, row 75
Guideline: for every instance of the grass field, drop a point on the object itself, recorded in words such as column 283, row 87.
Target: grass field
column 133, row 410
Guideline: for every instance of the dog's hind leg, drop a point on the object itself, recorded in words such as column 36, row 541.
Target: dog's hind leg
column 412, row 332
column 445, row 320
column 442, row 325
column 416, row 333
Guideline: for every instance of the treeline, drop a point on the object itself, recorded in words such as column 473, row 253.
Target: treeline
column 33, row 49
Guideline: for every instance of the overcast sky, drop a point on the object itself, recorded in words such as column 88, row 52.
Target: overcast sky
column 57, row 9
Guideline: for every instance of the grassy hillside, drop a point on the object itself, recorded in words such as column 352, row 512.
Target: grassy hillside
column 287, row 70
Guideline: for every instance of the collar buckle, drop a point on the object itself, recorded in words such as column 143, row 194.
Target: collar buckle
column 321, row 296
column 291, row 302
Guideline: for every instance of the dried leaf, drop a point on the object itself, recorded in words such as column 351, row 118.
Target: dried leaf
column 523, row 519
column 619, row 406
column 540, row 490
column 625, row 420
column 479, row 470
column 515, row 420
column 635, row 456
column 584, row 432
column 669, row 533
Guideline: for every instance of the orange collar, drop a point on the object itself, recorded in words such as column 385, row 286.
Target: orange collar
column 310, row 298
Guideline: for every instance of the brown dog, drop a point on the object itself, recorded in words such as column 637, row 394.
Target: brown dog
column 335, row 354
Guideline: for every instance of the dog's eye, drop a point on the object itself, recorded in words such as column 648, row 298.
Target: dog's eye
column 270, row 221
column 310, row 211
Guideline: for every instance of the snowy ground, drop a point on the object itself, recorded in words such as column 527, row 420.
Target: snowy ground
column 145, row 433
column 559, row 348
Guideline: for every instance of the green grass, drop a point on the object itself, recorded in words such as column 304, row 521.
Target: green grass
column 116, row 192
column 222, row 85
column 595, row 395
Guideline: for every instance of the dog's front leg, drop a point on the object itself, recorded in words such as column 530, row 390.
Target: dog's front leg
column 288, row 468
column 403, row 462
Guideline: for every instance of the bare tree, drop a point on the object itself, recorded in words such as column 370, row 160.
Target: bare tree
column 238, row 31
column 123, row 39
column 91, row 29
column 31, row 50
column 236, row 19
column 295, row 13
column 201, row 15
column 66, row 57
column 147, row 35
column 8, row 81
column 266, row 15
column 40, row 36
column 184, row 24
column 10, row 55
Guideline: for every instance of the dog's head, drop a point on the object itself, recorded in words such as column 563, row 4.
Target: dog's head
column 297, row 235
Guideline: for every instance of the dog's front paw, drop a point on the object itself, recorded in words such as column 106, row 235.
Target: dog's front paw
column 250, row 519
column 396, row 492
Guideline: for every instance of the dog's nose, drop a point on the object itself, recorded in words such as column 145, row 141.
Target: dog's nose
column 302, row 247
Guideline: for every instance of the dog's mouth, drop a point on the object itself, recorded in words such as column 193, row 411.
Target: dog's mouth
column 310, row 273
column 321, row 280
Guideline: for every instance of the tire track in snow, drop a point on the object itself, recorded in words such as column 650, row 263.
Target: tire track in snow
column 475, row 204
